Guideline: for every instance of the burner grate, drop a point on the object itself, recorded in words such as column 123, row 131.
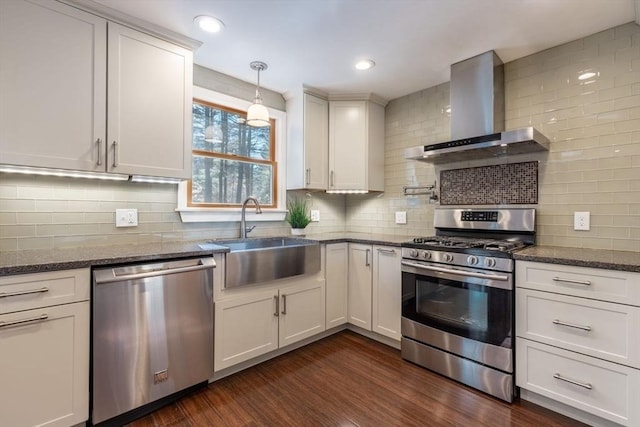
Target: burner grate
column 469, row 243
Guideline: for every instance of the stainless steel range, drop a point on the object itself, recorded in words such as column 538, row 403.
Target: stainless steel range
column 457, row 296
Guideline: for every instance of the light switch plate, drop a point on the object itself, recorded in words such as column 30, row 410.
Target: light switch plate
column 126, row 217
column 582, row 221
column 315, row 215
column 401, row 217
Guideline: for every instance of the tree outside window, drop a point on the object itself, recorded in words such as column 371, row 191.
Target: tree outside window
column 231, row 160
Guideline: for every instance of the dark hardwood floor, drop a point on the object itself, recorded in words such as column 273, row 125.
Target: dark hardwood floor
column 345, row 380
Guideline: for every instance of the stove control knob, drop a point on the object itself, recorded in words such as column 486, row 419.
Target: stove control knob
column 448, row 257
column 426, row 255
column 413, row 253
column 472, row 260
column 490, row 262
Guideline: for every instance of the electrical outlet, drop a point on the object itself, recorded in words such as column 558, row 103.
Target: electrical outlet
column 581, row 221
column 126, row 217
column 315, row 215
column 401, row 217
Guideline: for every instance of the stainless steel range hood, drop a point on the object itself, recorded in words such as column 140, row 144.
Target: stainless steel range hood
column 477, row 117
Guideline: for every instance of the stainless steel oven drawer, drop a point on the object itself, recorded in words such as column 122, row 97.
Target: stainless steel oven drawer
column 483, row 378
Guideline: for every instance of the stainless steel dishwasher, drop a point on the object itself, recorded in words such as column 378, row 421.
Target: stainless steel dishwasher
column 152, row 335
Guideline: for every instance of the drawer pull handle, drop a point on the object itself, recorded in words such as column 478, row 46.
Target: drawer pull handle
column 577, row 282
column 569, row 380
column 572, row 325
column 27, row 292
column 386, row 251
column 20, row 322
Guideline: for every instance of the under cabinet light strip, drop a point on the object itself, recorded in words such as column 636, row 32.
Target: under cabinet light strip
column 155, row 180
column 347, row 191
column 62, row 173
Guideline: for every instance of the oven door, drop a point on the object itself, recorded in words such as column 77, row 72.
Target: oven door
column 473, row 304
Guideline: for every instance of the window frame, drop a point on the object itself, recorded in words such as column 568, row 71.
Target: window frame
column 273, row 150
column 232, row 213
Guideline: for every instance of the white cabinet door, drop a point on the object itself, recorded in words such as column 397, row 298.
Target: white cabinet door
column 245, row 327
column 316, row 142
column 301, row 312
column 150, row 102
column 45, row 366
column 337, row 276
column 52, row 85
column 347, row 145
column 596, row 386
column 360, row 271
column 387, row 290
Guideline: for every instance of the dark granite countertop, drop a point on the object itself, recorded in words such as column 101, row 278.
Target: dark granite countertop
column 35, row 261
column 365, row 238
column 594, row 258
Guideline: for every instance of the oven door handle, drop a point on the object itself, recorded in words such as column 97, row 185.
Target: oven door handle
column 456, row 272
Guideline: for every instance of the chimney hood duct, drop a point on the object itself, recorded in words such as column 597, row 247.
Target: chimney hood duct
column 477, row 117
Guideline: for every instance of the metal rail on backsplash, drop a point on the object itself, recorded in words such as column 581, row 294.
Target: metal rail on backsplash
column 419, row 190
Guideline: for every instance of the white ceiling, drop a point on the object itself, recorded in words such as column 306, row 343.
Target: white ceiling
column 413, row 42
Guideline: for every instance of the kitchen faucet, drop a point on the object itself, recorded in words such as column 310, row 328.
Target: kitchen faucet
column 243, row 228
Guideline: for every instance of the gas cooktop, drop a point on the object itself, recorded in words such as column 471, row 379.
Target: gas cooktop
column 445, row 243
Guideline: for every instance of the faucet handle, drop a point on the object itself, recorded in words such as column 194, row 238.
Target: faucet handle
column 249, row 229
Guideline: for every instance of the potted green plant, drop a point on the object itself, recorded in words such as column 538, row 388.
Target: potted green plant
column 298, row 215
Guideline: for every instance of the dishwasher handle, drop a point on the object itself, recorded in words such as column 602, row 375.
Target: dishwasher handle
column 121, row 274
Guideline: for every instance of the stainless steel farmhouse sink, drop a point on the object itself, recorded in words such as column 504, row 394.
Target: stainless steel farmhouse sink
column 258, row 260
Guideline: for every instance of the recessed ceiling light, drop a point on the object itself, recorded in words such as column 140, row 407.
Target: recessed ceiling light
column 365, row 64
column 209, row 23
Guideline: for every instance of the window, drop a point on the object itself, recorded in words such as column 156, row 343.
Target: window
column 231, row 160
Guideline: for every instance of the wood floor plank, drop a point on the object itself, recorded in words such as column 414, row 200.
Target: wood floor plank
column 345, row 380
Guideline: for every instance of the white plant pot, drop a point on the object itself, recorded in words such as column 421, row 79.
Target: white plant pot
column 297, row 231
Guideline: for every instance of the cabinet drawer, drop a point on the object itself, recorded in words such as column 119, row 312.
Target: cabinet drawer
column 605, row 389
column 28, row 291
column 591, row 327
column 600, row 284
column 45, row 366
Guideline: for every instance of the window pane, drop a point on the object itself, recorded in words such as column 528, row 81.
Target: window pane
column 222, row 181
column 220, row 131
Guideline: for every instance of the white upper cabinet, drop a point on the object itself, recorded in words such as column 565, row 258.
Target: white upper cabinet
column 52, row 85
column 356, row 146
column 308, row 147
column 149, row 116
column 56, row 85
column 335, row 145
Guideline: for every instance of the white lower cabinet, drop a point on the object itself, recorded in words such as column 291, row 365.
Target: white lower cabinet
column 360, row 274
column 576, row 342
column 245, row 327
column 596, row 386
column 257, row 322
column 387, row 290
column 301, row 312
column 337, row 276
column 44, row 349
column 375, row 282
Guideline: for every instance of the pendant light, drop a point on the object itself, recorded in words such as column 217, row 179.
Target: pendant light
column 257, row 114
